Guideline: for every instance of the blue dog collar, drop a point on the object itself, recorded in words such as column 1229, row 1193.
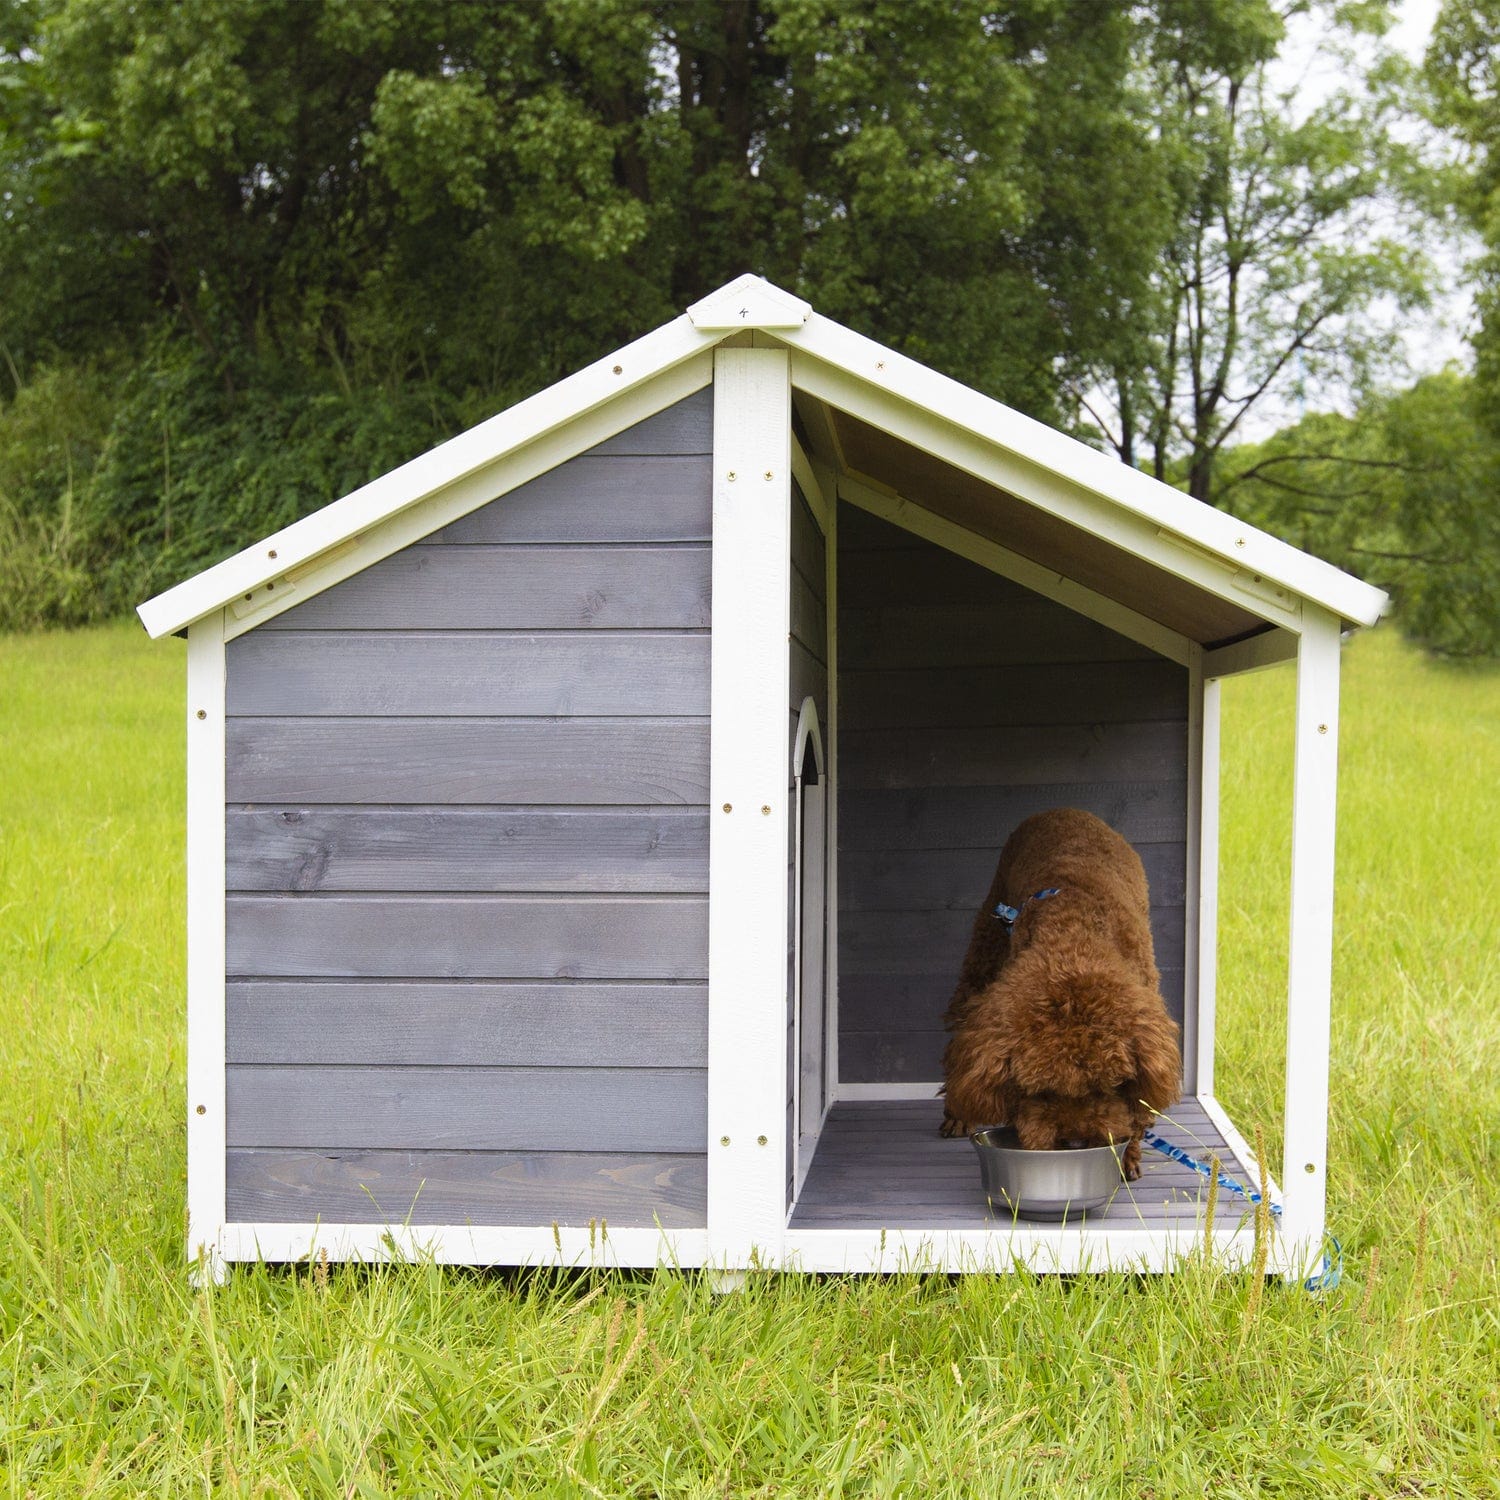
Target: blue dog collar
column 1009, row 914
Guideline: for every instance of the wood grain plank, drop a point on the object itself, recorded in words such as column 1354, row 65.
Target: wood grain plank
column 610, row 498
column 687, row 426
column 809, row 546
column 859, row 531
column 570, row 1024
column 466, row 1187
column 1024, row 630
column 960, row 817
column 467, row 937
column 887, row 942
column 470, row 1109
column 959, row 879
column 808, row 678
column 1012, row 757
column 462, row 761
column 911, row 1054
column 467, row 849
column 420, row 674
column 922, row 574
column 809, row 619
column 1053, row 694
column 887, row 1002
column 576, row 587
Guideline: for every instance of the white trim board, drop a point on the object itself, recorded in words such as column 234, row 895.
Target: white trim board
column 847, row 1091
column 1034, row 1248
column 467, row 1244
column 1192, row 917
column 1310, row 940
column 1268, row 649
column 748, row 805
column 206, row 1102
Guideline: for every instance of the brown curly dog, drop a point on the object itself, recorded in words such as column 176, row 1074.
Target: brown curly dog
column 1059, row 1028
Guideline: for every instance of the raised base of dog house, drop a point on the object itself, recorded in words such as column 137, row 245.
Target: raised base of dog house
column 884, row 1180
column 884, row 1193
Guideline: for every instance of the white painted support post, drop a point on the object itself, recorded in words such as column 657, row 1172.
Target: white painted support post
column 747, row 858
column 205, row 946
column 1310, row 962
column 1208, row 886
column 1190, row 1016
column 831, row 800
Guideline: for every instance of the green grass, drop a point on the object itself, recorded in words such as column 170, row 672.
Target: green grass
column 116, row 1378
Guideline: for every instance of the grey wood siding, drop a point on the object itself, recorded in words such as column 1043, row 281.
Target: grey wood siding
column 467, row 863
column 469, row 1187
column 966, row 704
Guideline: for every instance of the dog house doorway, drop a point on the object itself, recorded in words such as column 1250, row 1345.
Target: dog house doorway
column 810, row 1030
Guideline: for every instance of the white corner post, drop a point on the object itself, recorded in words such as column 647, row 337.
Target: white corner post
column 748, row 812
column 205, row 947
column 1208, row 885
column 1310, row 960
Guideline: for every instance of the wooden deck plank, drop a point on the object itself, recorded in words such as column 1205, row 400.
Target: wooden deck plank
column 881, row 1164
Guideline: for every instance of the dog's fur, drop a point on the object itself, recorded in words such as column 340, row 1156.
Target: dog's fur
column 1059, row 1029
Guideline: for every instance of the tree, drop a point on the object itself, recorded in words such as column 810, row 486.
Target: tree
column 287, row 242
column 1462, row 72
column 1402, row 493
column 1276, row 257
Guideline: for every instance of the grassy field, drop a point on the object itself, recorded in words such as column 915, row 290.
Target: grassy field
column 116, row 1378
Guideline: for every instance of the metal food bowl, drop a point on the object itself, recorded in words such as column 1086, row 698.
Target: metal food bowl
column 1044, row 1184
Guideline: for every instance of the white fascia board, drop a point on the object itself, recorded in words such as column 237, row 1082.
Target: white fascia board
column 300, row 543
column 467, row 1244
column 1060, row 1250
column 1239, row 547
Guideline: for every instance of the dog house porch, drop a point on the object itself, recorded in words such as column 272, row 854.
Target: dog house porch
column 881, row 1167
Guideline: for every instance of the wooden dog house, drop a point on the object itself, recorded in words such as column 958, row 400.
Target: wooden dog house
column 586, row 818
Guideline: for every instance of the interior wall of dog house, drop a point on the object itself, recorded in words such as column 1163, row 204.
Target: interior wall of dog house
column 467, row 855
column 965, row 704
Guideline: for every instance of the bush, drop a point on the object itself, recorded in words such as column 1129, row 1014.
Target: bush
column 114, row 486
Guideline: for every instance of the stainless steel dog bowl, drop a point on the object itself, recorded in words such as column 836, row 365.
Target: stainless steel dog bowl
column 1044, row 1184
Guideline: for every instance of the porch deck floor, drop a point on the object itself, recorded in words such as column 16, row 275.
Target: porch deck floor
column 881, row 1164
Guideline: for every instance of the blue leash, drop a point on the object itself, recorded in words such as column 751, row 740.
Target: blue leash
column 1324, row 1279
column 1009, row 914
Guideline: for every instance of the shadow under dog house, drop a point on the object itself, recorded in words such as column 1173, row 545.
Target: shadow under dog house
column 585, row 819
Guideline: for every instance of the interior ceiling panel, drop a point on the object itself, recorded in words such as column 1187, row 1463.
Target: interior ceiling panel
column 1069, row 550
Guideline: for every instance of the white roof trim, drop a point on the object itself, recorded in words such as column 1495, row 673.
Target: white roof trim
column 751, row 302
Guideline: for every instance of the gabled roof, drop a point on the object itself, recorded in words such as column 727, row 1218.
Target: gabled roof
column 985, row 466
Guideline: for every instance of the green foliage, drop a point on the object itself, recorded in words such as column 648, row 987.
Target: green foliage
column 275, row 246
column 157, row 472
column 1463, row 75
column 277, row 232
column 1403, row 494
column 1280, row 245
column 117, row 1378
